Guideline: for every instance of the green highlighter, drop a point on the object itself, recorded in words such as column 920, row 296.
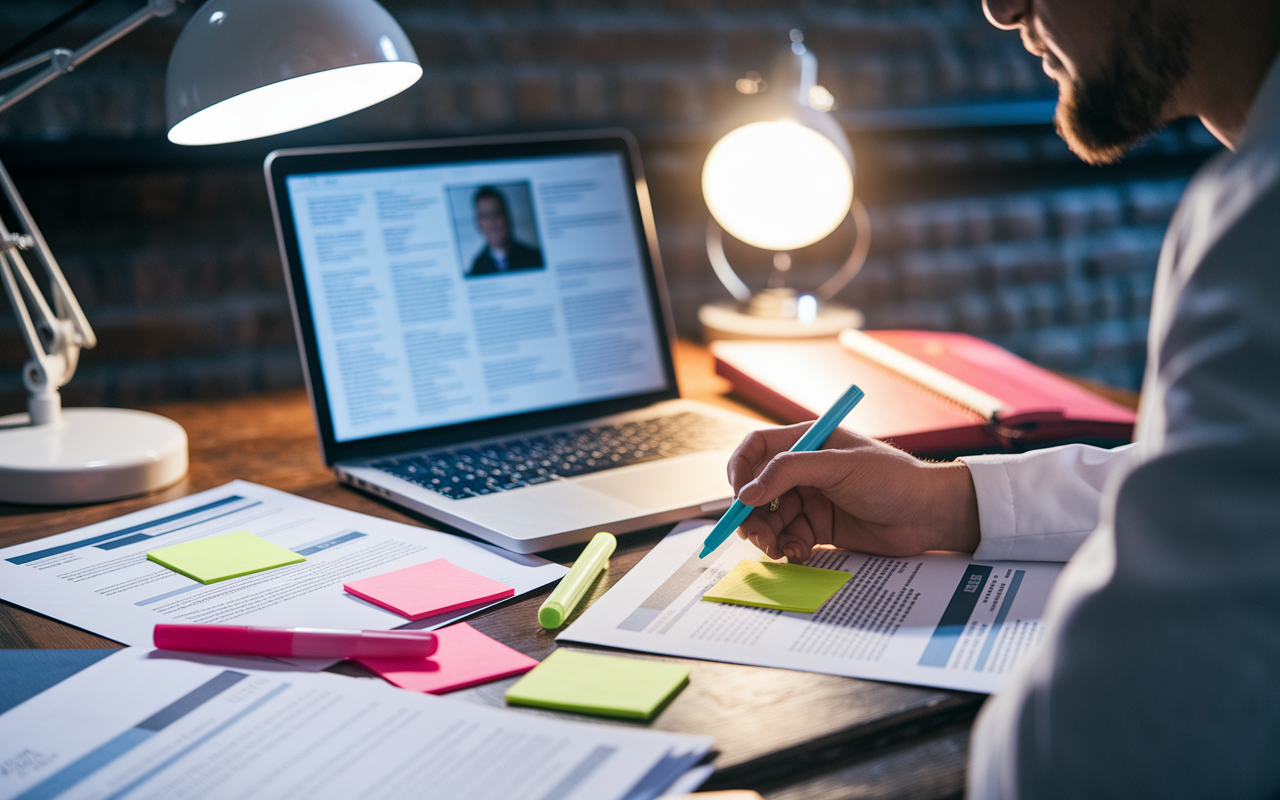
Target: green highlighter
column 573, row 586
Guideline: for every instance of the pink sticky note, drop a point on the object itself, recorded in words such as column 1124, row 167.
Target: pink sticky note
column 464, row 658
column 425, row 590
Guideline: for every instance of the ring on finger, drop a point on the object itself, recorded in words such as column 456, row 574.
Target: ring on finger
column 774, row 503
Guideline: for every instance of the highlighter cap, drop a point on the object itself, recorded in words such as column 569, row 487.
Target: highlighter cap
column 551, row 615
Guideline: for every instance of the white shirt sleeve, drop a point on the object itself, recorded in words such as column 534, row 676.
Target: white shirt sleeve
column 1157, row 674
column 1040, row 506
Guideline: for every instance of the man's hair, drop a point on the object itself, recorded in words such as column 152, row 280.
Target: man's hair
column 490, row 191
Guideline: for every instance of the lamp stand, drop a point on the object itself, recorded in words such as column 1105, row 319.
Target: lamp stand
column 779, row 312
column 726, row 320
column 85, row 455
column 90, row 455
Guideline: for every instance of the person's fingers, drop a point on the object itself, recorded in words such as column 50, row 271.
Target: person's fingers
column 796, row 541
column 765, row 541
column 821, row 469
column 765, row 545
column 761, row 528
column 757, row 448
column 743, row 460
column 785, row 531
column 795, row 537
column 814, row 524
column 760, row 447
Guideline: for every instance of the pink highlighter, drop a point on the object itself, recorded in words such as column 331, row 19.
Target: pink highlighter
column 294, row 642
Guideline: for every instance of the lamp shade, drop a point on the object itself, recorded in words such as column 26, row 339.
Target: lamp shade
column 242, row 69
column 777, row 185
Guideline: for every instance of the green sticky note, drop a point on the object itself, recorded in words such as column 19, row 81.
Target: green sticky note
column 605, row 685
column 789, row 587
column 219, row 558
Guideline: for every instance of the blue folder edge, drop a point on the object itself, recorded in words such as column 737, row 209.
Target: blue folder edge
column 27, row 673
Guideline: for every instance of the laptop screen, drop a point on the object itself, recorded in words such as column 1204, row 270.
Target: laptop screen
column 451, row 292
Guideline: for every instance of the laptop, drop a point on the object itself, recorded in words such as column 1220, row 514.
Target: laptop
column 486, row 336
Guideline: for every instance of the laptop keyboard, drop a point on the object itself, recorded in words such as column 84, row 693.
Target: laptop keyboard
column 474, row 471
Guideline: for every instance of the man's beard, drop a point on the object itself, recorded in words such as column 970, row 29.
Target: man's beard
column 1101, row 116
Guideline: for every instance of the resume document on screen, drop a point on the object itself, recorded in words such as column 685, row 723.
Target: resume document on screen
column 443, row 294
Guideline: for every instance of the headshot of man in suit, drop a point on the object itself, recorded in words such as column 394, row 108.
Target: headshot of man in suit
column 501, row 253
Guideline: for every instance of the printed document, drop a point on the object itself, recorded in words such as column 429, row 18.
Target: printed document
column 938, row 619
column 150, row 724
column 98, row 577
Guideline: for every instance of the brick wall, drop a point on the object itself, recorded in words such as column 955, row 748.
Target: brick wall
column 503, row 63
column 996, row 230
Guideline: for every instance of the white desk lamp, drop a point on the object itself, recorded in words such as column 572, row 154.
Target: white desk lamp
column 241, row 69
column 782, row 184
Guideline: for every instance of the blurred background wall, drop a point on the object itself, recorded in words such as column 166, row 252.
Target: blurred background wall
column 983, row 221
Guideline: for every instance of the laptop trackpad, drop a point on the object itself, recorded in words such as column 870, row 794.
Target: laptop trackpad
column 688, row 481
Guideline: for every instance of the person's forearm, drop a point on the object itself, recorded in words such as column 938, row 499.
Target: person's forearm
column 951, row 522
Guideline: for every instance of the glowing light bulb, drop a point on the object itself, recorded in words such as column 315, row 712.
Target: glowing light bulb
column 806, row 308
column 777, row 185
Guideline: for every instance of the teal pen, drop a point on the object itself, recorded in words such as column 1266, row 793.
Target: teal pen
column 813, row 439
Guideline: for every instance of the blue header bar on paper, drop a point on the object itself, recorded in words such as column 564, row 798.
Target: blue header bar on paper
column 963, row 601
column 106, row 537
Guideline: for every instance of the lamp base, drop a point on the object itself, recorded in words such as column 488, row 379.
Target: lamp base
column 728, row 321
column 90, row 456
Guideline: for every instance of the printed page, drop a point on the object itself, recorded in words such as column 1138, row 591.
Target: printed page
column 935, row 619
column 148, row 724
column 98, row 578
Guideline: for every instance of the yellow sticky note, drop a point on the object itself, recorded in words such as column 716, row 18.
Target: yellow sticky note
column 609, row 686
column 789, row 587
column 220, row 558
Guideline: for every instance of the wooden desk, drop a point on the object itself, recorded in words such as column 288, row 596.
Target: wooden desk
column 787, row 734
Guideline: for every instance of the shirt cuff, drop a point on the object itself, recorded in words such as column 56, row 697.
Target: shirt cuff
column 997, row 513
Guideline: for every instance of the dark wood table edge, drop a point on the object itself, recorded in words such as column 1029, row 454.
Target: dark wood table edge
column 854, row 744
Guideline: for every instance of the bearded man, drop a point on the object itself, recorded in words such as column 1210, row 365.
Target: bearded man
column 1158, row 677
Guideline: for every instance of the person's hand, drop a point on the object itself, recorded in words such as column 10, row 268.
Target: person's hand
column 856, row 493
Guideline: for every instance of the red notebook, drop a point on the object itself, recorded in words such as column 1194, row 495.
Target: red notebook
column 985, row 399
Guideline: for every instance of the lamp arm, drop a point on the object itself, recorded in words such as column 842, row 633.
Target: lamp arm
column 34, row 61
column 62, row 61
column 54, row 341
column 720, row 263
column 51, row 364
column 63, row 298
column 18, row 293
column 861, row 246
column 852, row 265
column 54, row 336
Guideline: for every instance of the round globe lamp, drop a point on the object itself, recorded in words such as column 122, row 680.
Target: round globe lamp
column 777, row 185
column 780, row 185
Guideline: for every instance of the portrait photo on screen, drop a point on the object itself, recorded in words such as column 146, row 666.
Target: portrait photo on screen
column 497, row 229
